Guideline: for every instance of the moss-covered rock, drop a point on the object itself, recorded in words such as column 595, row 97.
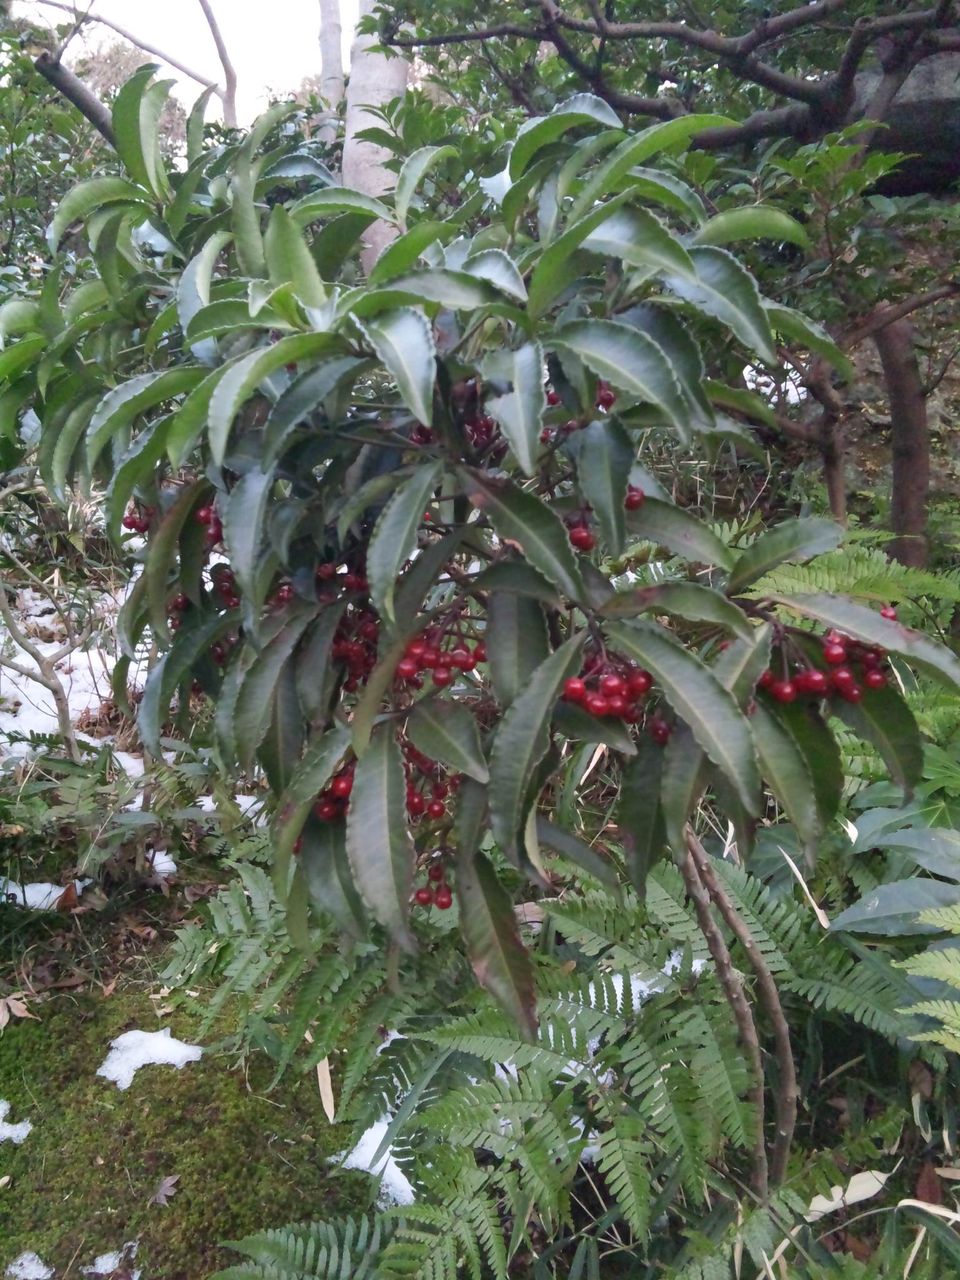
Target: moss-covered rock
column 81, row 1183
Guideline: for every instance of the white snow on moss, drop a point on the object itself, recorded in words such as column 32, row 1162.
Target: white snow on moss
column 29, row 1267
column 107, row 1263
column 12, row 1132
column 36, row 897
column 136, row 1049
column 395, row 1187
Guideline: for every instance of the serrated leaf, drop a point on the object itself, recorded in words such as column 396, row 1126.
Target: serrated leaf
column 303, row 397
column 553, row 272
column 893, row 910
column 498, row 269
column 243, row 514
column 863, row 623
column 637, row 238
column 315, row 676
column 521, row 518
column 379, row 846
column 173, row 669
column 394, row 537
column 519, row 412
column 162, row 554
column 722, row 288
column 403, row 341
column 753, row 222
column 251, row 717
column 326, row 872
column 700, row 700
column 521, row 742
column 519, row 578
column 639, row 814
column 578, row 852
column 456, row 290
column 497, row 955
column 785, row 768
column 683, row 534
column 687, row 600
column 936, row 849
column 819, row 749
column 533, row 135
column 604, row 455
column 313, row 772
column 123, row 404
column 193, row 290
column 794, row 541
column 630, row 361
column 806, row 332
column 414, row 169
column 447, row 731
column 134, row 468
column 86, row 197
column 883, row 719
column 331, row 200
column 289, row 259
column 573, row 722
column 516, row 639
column 746, row 402
column 136, row 114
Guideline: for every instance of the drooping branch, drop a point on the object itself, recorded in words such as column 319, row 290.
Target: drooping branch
column 75, row 91
column 229, row 94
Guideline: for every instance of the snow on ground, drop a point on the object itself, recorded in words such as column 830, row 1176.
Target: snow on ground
column 136, row 1049
column 39, row 896
column 107, row 1263
column 162, row 863
column 14, row 1132
column 395, row 1187
column 29, row 1267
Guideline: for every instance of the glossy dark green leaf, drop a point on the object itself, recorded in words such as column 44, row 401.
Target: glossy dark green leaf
column 583, row 109
column 639, row 814
column 172, row 670
column 578, row 852
column 726, row 291
column 785, row 769
column 499, row 269
column 893, row 910
column 87, row 197
column 683, row 534
column 682, row 351
column 604, row 455
column 379, row 846
column 326, row 872
column 794, row 541
column 936, row 849
column 520, row 410
column 254, row 701
column 807, row 333
column 119, row 407
column 136, row 114
column 819, row 749
column 135, row 467
column 639, row 239
column 162, row 554
column 303, row 397
column 415, row 167
column 404, row 252
column 289, row 259
column 752, row 222
column 500, row 961
column 315, row 675
column 573, row 722
column 519, row 578
column 884, row 720
column 403, row 341
column 521, row 742
column 447, row 731
column 521, row 518
column 313, row 772
column 243, row 515
column 280, row 748
column 687, row 600
column 516, row 639
column 332, row 200
column 394, row 537
column 700, row 700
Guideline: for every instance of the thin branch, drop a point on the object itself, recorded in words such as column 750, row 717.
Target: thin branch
column 882, row 316
column 75, row 91
column 229, row 94
column 787, row 1092
column 740, row 1007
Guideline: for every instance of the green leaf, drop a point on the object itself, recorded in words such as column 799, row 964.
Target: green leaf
column 573, row 722
column 245, row 221
column 519, row 412
column 700, row 700
column 119, row 407
column 448, row 731
column 193, row 291
column 89, row 196
column 722, row 288
column 668, row 190
column 195, row 125
column 553, row 272
column 289, row 259
column 499, row 269
column 323, row 858
column 520, row 579
column 893, row 910
column 172, row 670
column 794, row 541
column 379, row 846
column 331, row 200
column 604, row 454
column 244, row 512
column 746, row 402
column 819, row 749
column 936, row 849
column 403, row 341
column 687, row 600
column 251, row 717
column 242, row 379
column 641, row 240
column 314, row 674
column 456, row 290
column 521, row 518
column 135, row 467
column 630, row 361
column 683, row 534
column 579, row 853
column 303, row 397
column 407, row 249
column 883, row 719
column 785, row 768
column 136, row 117
column 162, row 554
column 533, row 135
column 500, row 961
column 314, row 770
column 394, row 537
column 865, row 624
column 639, row 814
column 521, row 742
column 801, row 330
column 415, row 167
column 516, row 639
column 683, row 353
column 753, row 222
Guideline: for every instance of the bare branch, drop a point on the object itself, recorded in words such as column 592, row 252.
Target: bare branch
column 229, row 95
column 880, row 317
column 75, row 91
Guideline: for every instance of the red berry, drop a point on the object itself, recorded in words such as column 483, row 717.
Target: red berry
column 443, row 898
column 634, row 499
column 632, row 713
column 546, row 435
column 617, row 705
column 219, row 654
column 834, row 653
column 415, row 803
column 553, row 397
column 298, row 845
column 574, row 690
column 480, row 652
column 843, row 678
column 888, row 611
column 812, row 681
column 342, row 785
column 606, row 398
column 407, row 668
column 442, row 676
column 327, row 810
column 431, row 656
column 440, row 791
column 130, row 521
column 875, row 679
column 326, row 571
column 850, row 692
column 872, row 658
column 766, row 679
column 283, row 594
column 416, row 649
column 424, row 896
column 783, row 691
column 639, row 682
column 435, row 871
column 660, row 732
column 597, row 704
column 436, row 809
column 205, row 515
column 582, row 538
column 179, row 602
column 462, row 659
column 613, row 686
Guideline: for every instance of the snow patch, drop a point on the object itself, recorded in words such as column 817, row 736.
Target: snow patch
column 29, row 1267
column 37, row 897
column 107, row 1263
column 395, row 1187
column 16, row 1133
column 136, row 1049
column 162, row 863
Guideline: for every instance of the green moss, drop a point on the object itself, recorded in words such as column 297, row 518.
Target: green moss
column 81, row 1183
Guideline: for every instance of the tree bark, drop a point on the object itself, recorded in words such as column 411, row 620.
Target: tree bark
column 910, row 438
column 374, row 81
column 331, row 67
column 75, row 91
column 229, row 74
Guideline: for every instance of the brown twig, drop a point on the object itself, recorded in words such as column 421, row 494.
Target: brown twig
column 732, row 986
column 75, row 91
column 787, row 1092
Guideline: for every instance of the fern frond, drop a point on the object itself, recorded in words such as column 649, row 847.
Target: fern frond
column 314, row 1251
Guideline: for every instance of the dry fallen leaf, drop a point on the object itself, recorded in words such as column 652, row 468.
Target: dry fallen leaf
column 166, row 1189
column 11, row 1007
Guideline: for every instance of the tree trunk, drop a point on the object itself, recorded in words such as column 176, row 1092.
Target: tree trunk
column 331, row 67
column 374, row 81
column 910, row 439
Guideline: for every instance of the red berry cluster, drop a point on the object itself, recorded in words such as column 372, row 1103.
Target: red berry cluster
column 610, row 687
column 436, row 892
column 175, row 610
column 579, row 532
column 225, row 585
column 208, row 517
column 428, row 784
column 330, row 580
column 333, row 801
column 481, row 430
column 852, row 668
column 138, row 521
column 606, row 396
column 355, row 645
column 421, row 434
column 442, row 652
